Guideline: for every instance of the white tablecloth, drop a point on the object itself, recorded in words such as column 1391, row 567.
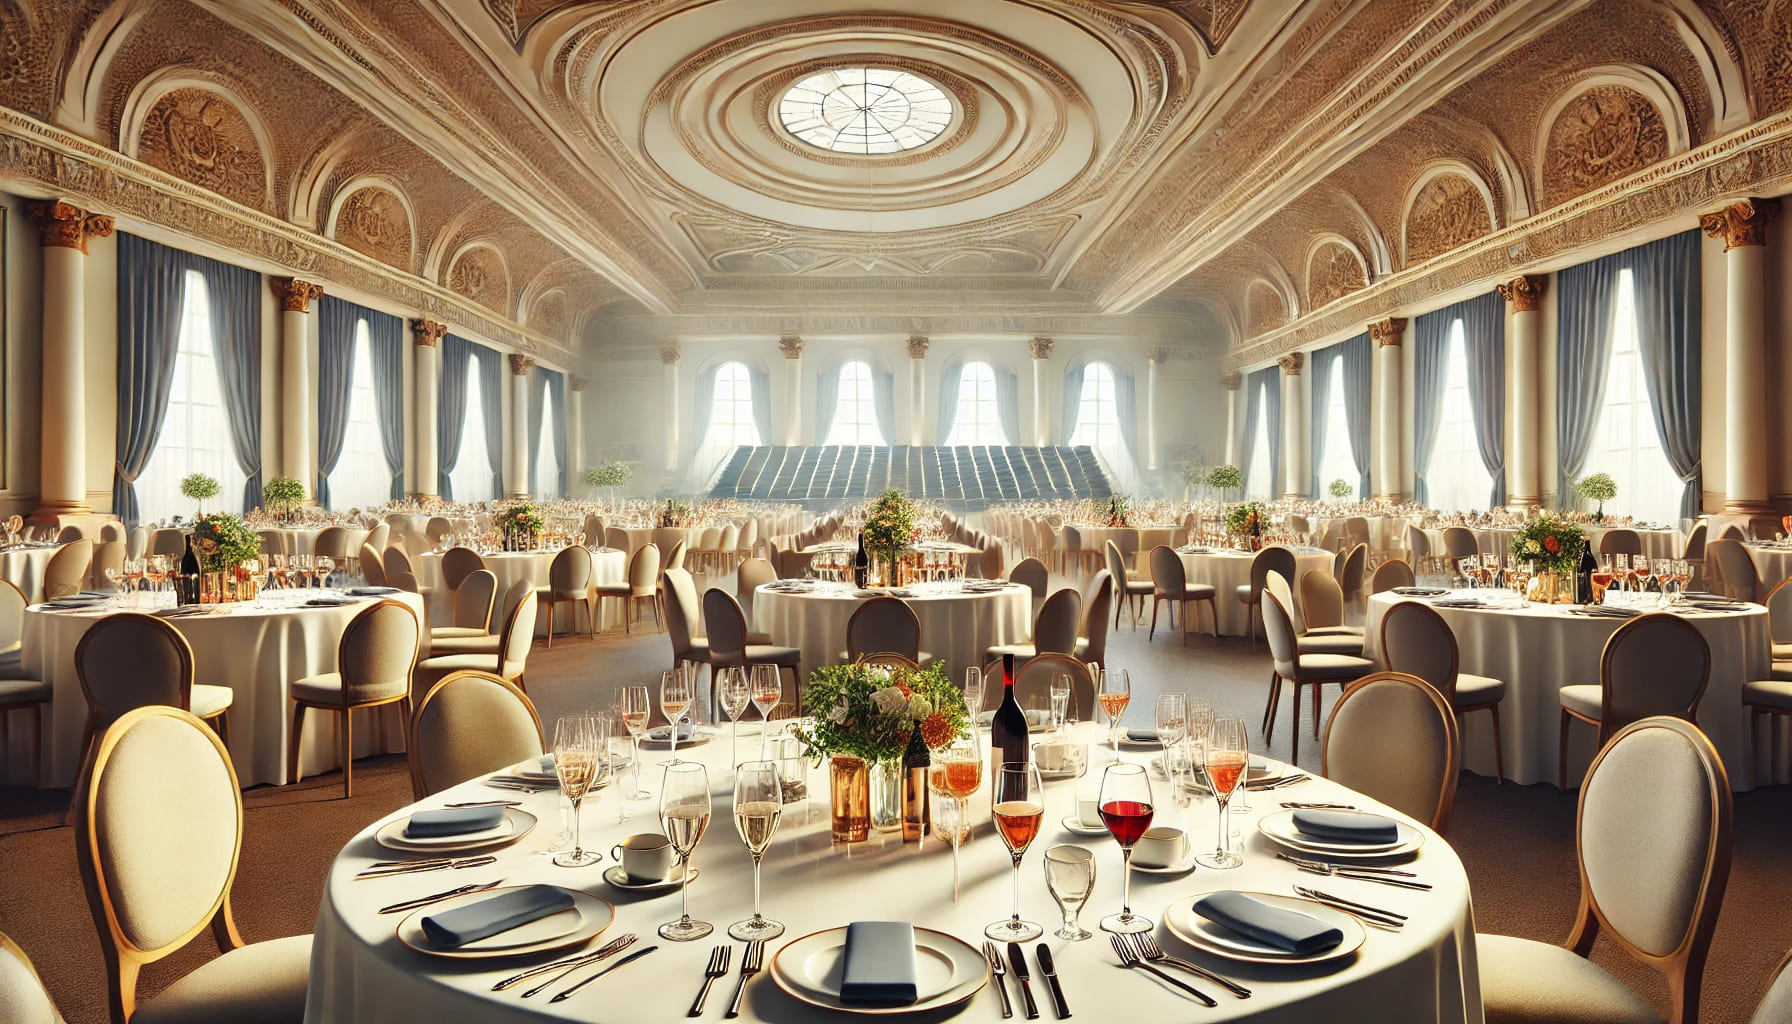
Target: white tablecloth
column 253, row 650
column 302, row 540
column 1226, row 571
column 607, row 566
column 641, row 536
column 25, row 568
column 360, row 974
column 1771, row 565
column 1540, row 648
column 956, row 627
column 1385, row 532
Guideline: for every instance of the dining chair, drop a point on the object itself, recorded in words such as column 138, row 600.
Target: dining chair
column 591, row 530
column 675, row 557
column 1653, row 837
column 1076, row 553
column 507, row 660
column 569, row 582
column 884, row 625
column 127, row 660
column 19, row 692
column 372, row 568
column 111, row 530
column 1728, row 563
column 394, row 559
column 331, row 542
column 154, row 882
column 1169, row 582
column 747, row 544
column 1655, row 664
column 107, row 554
column 457, row 563
column 23, row 997
column 1416, row 640
column 468, row 724
column 137, row 544
column 642, row 585
column 1292, row 665
column 1694, row 552
column 1054, row 629
column 889, row 660
column 1459, row 543
column 1417, row 775
column 1775, row 1006
column 730, row 646
column 1392, row 573
column 1322, row 600
column 1350, row 577
column 1733, row 532
column 991, row 561
column 1274, row 558
column 70, row 534
column 1092, row 635
column 754, row 572
column 405, row 581
column 1418, row 544
column 1621, row 542
column 1312, row 641
column 474, row 605
column 12, row 623
column 1032, row 572
column 1779, row 621
column 67, row 570
column 617, row 538
column 474, row 640
column 437, row 528
column 1034, row 679
column 1131, row 593
column 374, row 664
column 683, row 619
column 724, row 552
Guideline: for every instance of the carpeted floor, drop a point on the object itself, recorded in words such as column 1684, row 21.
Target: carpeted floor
column 1516, row 841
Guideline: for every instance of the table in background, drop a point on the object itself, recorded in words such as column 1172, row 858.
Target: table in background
column 302, row 540
column 956, row 626
column 1426, row 972
column 1386, row 533
column 24, row 566
column 1539, row 649
column 1772, row 564
column 255, row 650
column 1226, row 570
column 607, row 566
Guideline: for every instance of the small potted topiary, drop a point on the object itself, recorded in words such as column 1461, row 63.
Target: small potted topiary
column 199, row 488
column 1599, row 487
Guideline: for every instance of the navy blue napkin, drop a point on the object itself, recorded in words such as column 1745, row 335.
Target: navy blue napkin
column 1284, row 929
column 878, row 968
column 663, row 734
column 1346, row 826
column 484, row 918
column 452, row 821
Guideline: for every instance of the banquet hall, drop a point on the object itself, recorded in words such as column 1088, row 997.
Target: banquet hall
column 457, row 452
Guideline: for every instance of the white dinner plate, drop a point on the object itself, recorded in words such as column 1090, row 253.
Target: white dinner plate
column 1186, row 865
column 1279, row 827
column 948, row 971
column 517, row 823
column 618, row 878
column 1210, row 937
column 663, row 741
column 589, row 916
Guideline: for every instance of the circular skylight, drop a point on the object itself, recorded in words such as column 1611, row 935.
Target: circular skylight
column 865, row 110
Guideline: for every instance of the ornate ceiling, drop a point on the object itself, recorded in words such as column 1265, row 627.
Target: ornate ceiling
column 1224, row 173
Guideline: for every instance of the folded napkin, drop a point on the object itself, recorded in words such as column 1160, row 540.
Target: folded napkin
column 1461, row 602
column 373, row 591
column 878, row 968
column 663, row 733
column 328, row 602
column 1419, row 591
column 1252, row 918
column 1141, row 735
column 182, row 611
column 1610, row 612
column 493, row 916
column 1346, row 826
column 452, row 821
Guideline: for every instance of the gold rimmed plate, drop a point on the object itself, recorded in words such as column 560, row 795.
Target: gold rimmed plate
column 519, row 822
column 1211, row 937
column 948, row 971
column 1279, row 828
column 586, row 920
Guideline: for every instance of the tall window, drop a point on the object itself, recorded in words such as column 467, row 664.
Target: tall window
column 1336, row 462
column 547, row 460
column 855, row 411
column 1626, row 443
column 195, row 435
column 731, row 421
column 1455, row 477
column 1258, row 482
column 361, row 478
column 472, row 473
column 1098, row 412
column 977, row 422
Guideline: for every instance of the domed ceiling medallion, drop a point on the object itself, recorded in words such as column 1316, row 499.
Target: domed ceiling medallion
column 865, row 110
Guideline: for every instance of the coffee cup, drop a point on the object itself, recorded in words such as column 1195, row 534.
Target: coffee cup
column 646, row 857
column 1088, row 812
column 1062, row 757
column 1160, row 847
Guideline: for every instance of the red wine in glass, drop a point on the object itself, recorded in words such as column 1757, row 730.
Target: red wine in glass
column 1126, row 807
column 1127, row 820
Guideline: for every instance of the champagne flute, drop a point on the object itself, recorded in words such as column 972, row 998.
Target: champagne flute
column 1018, row 805
column 768, row 690
column 634, row 708
column 736, row 694
column 973, row 690
column 684, row 816
column 1114, row 691
column 1126, row 808
column 1621, row 571
column 955, row 774
column 578, row 751
column 1172, row 718
column 324, row 567
column 1228, row 755
column 675, row 700
column 758, row 802
column 1060, row 700
column 1070, row 878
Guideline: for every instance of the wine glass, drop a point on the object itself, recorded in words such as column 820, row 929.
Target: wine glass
column 954, row 775
column 684, row 816
column 581, row 748
column 1621, row 571
column 758, row 802
column 768, row 689
column 323, row 566
column 1060, row 700
column 973, row 690
column 1070, row 878
column 675, row 700
column 736, row 694
column 1126, row 808
column 1172, row 718
column 1114, row 690
column 634, row 707
column 1018, row 806
column 1228, row 754
column 1640, row 571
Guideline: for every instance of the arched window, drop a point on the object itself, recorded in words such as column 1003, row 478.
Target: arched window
column 1098, row 412
column 195, row 437
column 855, row 411
column 546, row 464
column 978, row 421
column 1257, row 482
column 1337, row 462
column 471, row 477
column 361, row 478
column 1626, row 444
column 1456, row 478
column 731, row 420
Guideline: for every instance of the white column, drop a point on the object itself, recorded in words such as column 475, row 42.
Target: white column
column 1041, row 348
column 1387, row 334
column 917, row 389
column 1294, row 432
column 1153, row 359
column 427, row 403
column 670, row 355
column 62, row 480
column 792, row 347
column 297, row 397
column 1743, row 227
column 1523, row 295
column 575, row 433
column 1231, row 380
column 517, row 462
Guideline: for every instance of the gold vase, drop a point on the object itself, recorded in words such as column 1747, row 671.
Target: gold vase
column 849, row 796
column 1550, row 587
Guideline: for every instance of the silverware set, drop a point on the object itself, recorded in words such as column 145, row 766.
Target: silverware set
column 1386, row 920
column 629, row 959
column 1286, row 780
column 1134, row 962
column 487, row 803
column 1147, row 948
column 994, row 956
column 1361, row 873
column 388, row 868
column 1296, row 806
column 1017, row 960
column 565, row 965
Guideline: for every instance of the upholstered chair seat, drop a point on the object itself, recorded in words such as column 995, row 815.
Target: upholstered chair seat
column 473, row 601
column 1416, row 640
column 211, row 700
column 1472, row 690
column 375, row 660
column 1523, row 981
column 23, row 998
column 1345, row 640
column 1582, row 699
column 264, row 981
column 1326, row 643
column 23, row 691
column 1772, row 693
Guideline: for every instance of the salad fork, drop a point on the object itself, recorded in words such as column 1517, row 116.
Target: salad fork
column 718, row 966
column 1148, row 948
column 749, row 966
column 1132, row 961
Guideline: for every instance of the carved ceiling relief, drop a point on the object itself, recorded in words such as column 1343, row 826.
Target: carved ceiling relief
column 549, row 315
column 1333, row 273
column 1447, row 212
column 1263, row 309
column 1603, row 134
column 374, row 222
column 478, row 273
column 200, row 136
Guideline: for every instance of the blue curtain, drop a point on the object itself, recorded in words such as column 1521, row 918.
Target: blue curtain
column 235, row 296
column 1247, row 437
column 1431, row 341
column 1584, row 297
column 1484, row 353
column 950, row 381
column 150, row 285
column 1320, row 367
column 1666, row 282
column 451, row 415
column 1263, row 398
column 1355, row 359
column 491, row 396
column 336, row 322
column 386, row 346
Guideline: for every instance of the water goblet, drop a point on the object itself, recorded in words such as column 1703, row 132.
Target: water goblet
column 1060, row 696
column 1070, row 878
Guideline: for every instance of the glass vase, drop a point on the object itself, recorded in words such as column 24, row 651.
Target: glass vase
column 886, row 795
column 849, row 796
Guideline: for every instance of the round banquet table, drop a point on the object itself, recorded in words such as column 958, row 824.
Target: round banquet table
column 956, row 627
column 1386, row 533
column 641, row 536
column 1227, row 570
column 255, row 650
column 1772, row 564
column 360, row 974
column 1656, row 543
column 24, row 566
column 607, row 566
column 1538, row 649
column 302, row 540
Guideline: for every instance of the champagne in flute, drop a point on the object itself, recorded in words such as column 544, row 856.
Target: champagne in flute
column 955, row 774
column 767, row 686
column 634, row 707
column 757, row 807
column 1126, row 809
column 684, row 817
column 581, row 749
column 675, row 700
column 1018, row 808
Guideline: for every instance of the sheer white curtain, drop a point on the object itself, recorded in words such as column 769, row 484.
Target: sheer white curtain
column 1456, row 476
column 1098, row 414
column 472, row 473
column 1336, row 462
column 731, row 420
column 1625, row 442
column 547, row 460
column 195, row 435
column 362, row 479
column 979, row 421
column 1257, row 482
column 855, row 410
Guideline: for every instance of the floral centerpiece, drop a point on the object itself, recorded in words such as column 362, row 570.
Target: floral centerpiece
column 1119, row 509
column 1341, row 489
column 224, row 545
column 1247, row 519
column 674, row 514
column 890, row 528
column 1224, row 479
column 282, row 495
column 521, row 526
column 1599, row 487
column 1553, row 545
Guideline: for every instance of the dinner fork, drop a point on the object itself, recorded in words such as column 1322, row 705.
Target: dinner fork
column 718, row 966
column 749, row 966
column 1148, row 948
column 1132, row 961
column 1000, row 970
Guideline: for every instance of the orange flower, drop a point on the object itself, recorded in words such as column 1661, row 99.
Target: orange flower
column 936, row 731
column 1551, row 545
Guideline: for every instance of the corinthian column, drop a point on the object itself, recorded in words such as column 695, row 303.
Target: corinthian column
column 1386, row 335
column 518, row 462
column 62, row 483
column 296, row 395
column 1523, row 296
column 575, row 432
column 670, row 356
column 1041, row 348
column 427, row 401
column 1743, row 227
column 917, row 388
column 1154, row 358
column 1231, row 380
column 792, row 347
column 1294, row 433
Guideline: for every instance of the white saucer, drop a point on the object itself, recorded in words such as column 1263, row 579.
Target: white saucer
column 1076, row 827
column 615, row 876
column 1187, row 865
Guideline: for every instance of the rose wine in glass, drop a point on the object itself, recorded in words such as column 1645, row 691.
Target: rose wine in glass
column 684, row 815
column 1018, row 806
column 1228, row 754
column 634, row 707
column 758, row 804
column 955, row 774
column 768, row 689
column 1126, row 808
column 1114, row 692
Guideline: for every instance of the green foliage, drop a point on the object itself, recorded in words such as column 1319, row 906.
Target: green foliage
column 1341, row 489
column 282, row 494
column 1225, row 478
column 674, row 513
column 199, row 487
column 870, row 711
column 1550, row 541
column 890, row 524
column 1194, row 474
column 524, row 518
column 610, row 474
column 223, row 541
column 1598, row 487
column 1246, row 517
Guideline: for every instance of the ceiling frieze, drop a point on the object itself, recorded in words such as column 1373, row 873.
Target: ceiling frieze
column 1177, row 331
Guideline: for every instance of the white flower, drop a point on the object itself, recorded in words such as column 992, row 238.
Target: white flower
column 888, row 701
column 919, row 707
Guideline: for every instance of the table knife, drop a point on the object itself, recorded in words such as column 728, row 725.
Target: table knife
column 1017, row 958
column 1059, row 1006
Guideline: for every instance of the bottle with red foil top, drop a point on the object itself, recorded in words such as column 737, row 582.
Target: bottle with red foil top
column 1008, row 741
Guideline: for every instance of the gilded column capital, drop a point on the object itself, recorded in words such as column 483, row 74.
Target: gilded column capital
column 1157, row 356
column 670, row 354
column 1291, row 363
column 295, row 295
column 575, row 383
column 66, row 226
column 917, row 346
column 1741, row 223
column 521, row 364
column 1387, row 332
column 426, row 332
column 1524, row 294
column 789, row 344
column 1231, row 380
column 1041, row 347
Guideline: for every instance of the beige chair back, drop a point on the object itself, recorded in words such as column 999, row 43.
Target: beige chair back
column 1321, row 599
column 377, row 653
column 331, row 542
column 1390, row 574
column 12, row 615
column 405, row 581
column 675, row 557
column 437, row 528
column 1416, row 641
column 1695, row 543
column 1356, row 531
column 1116, row 564
column 70, row 534
column 1032, row 572
column 1035, row 677
column 113, row 530
column 883, row 625
column 1621, row 542
column 1278, row 632
column 1729, row 561
column 682, row 609
column 1418, row 544
column 1459, row 543
column 1054, row 628
column 1779, row 613
column 644, row 570
column 1351, row 579
column 457, row 563
column 23, row 998
column 754, row 573
column 991, row 561
column 569, row 574
column 378, row 536
column 518, row 635
column 395, row 560
column 467, row 725
column 138, row 544
column 729, row 540
column 1098, row 601
column 1268, row 560
column 127, row 660
column 67, row 572
column 727, row 627
column 1415, row 776
column 1167, row 573
column 107, row 554
column 1656, row 664
column 1277, row 584
column 592, row 530
column 371, row 566
column 476, row 600
column 1732, row 532
column 748, row 541
column 616, row 537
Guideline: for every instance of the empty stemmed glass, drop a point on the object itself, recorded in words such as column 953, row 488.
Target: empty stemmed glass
column 1228, row 760
column 1172, row 718
column 634, row 707
column 758, row 802
column 581, row 755
column 973, row 690
column 735, row 694
column 1060, row 700
column 675, row 700
column 1114, row 691
column 684, row 817
column 1070, row 878
column 767, row 686
column 1018, row 806
column 1126, row 809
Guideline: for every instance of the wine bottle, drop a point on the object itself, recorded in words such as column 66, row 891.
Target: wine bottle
column 1008, row 731
column 861, row 567
column 189, row 575
column 916, row 761
column 1583, row 575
